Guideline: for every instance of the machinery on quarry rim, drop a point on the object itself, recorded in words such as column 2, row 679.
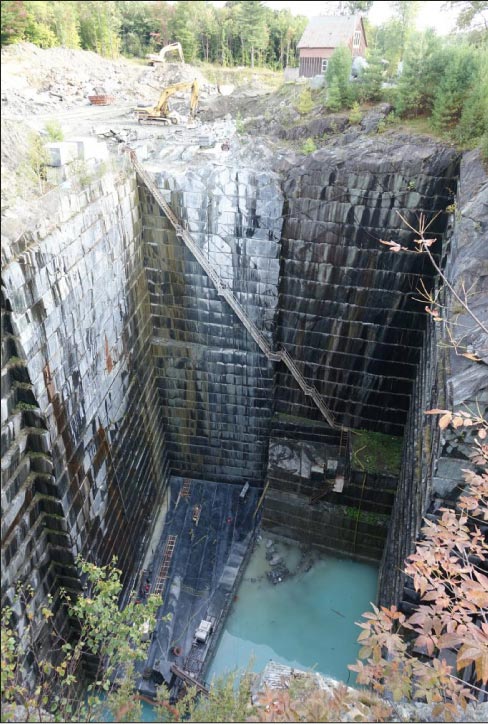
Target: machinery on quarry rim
column 160, row 113
column 161, row 56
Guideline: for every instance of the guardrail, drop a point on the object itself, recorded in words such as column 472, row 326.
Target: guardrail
column 224, row 291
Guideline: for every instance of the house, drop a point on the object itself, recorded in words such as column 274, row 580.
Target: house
column 326, row 33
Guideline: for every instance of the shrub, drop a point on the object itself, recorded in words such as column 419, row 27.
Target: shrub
column 54, row 131
column 355, row 116
column 305, row 102
column 309, row 146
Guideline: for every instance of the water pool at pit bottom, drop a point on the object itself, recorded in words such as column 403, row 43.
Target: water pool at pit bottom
column 307, row 621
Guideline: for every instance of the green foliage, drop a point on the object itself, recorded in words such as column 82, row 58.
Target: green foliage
column 240, row 33
column 305, row 102
column 484, row 147
column 308, row 146
column 334, row 102
column 376, row 452
column 371, row 78
column 228, row 701
column 183, row 27
column 365, row 517
column 422, row 70
column 113, row 636
column 99, row 27
column 53, row 130
column 338, row 75
column 355, row 115
column 446, row 571
column 37, row 159
column 405, row 13
column 239, row 123
column 458, row 76
column 251, row 18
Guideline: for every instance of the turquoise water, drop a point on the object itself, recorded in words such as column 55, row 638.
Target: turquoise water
column 306, row 621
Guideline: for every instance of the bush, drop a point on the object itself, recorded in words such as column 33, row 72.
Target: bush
column 334, row 102
column 305, row 102
column 54, row 131
column 484, row 147
column 309, row 146
column 355, row 116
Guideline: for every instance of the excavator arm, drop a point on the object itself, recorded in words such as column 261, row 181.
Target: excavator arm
column 161, row 56
column 161, row 109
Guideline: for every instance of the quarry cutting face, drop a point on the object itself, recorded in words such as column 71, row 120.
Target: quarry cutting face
column 125, row 365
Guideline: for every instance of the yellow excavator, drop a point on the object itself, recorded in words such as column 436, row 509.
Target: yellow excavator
column 160, row 57
column 160, row 112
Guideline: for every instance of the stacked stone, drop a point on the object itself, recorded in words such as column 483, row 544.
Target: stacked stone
column 215, row 384
column 347, row 304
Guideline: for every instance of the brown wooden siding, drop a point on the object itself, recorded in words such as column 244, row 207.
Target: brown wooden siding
column 310, row 67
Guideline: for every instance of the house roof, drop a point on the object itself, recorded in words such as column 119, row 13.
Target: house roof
column 328, row 31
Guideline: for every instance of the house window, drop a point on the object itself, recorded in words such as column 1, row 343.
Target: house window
column 357, row 39
column 324, row 64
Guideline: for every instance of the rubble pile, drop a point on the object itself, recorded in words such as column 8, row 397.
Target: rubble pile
column 36, row 80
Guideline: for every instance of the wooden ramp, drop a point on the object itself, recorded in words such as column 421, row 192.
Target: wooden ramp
column 186, row 677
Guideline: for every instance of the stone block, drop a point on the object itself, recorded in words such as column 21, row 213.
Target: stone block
column 87, row 147
column 61, row 152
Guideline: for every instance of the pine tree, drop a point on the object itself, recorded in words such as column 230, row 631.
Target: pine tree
column 371, row 78
column 183, row 27
column 339, row 72
column 253, row 28
column 334, row 102
column 453, row 88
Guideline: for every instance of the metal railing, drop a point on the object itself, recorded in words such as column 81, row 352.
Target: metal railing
column 223, row 291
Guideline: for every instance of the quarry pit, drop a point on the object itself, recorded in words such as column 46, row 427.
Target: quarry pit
column 174, row 390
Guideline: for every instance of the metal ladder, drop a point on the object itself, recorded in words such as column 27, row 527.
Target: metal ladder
column 223, row 291
column 167, row 556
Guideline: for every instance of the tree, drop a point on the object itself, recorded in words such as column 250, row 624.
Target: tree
column 472, row 15
column 474, row 116
column 339, row 72
column 14, row 19
column 99, row 27
column 359, row 6
column 110, row 637
column 371, row 79
column 253, row 28
column 334, row 102
column 405, row 12
column 447, row 573
column 184, row 28
column 422, row 72
column 460, row 70
column 65, row 23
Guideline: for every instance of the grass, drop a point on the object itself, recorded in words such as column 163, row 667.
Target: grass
column 376, row 452
column 239, row 75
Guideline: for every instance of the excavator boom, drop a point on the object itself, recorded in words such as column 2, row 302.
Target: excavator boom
column 160, row 112
column 161, row 56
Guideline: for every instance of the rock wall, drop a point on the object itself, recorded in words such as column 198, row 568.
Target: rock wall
column 433, row 460
column 347, row 304
column 80, row 326
column 214, row 383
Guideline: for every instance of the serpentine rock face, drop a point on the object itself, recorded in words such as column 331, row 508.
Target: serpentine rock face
column 348, row 306
column 215, row 385
column 138, row 367
column 78, row 316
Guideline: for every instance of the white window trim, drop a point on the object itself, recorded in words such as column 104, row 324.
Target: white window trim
column 356, row 42
column 325, row 62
